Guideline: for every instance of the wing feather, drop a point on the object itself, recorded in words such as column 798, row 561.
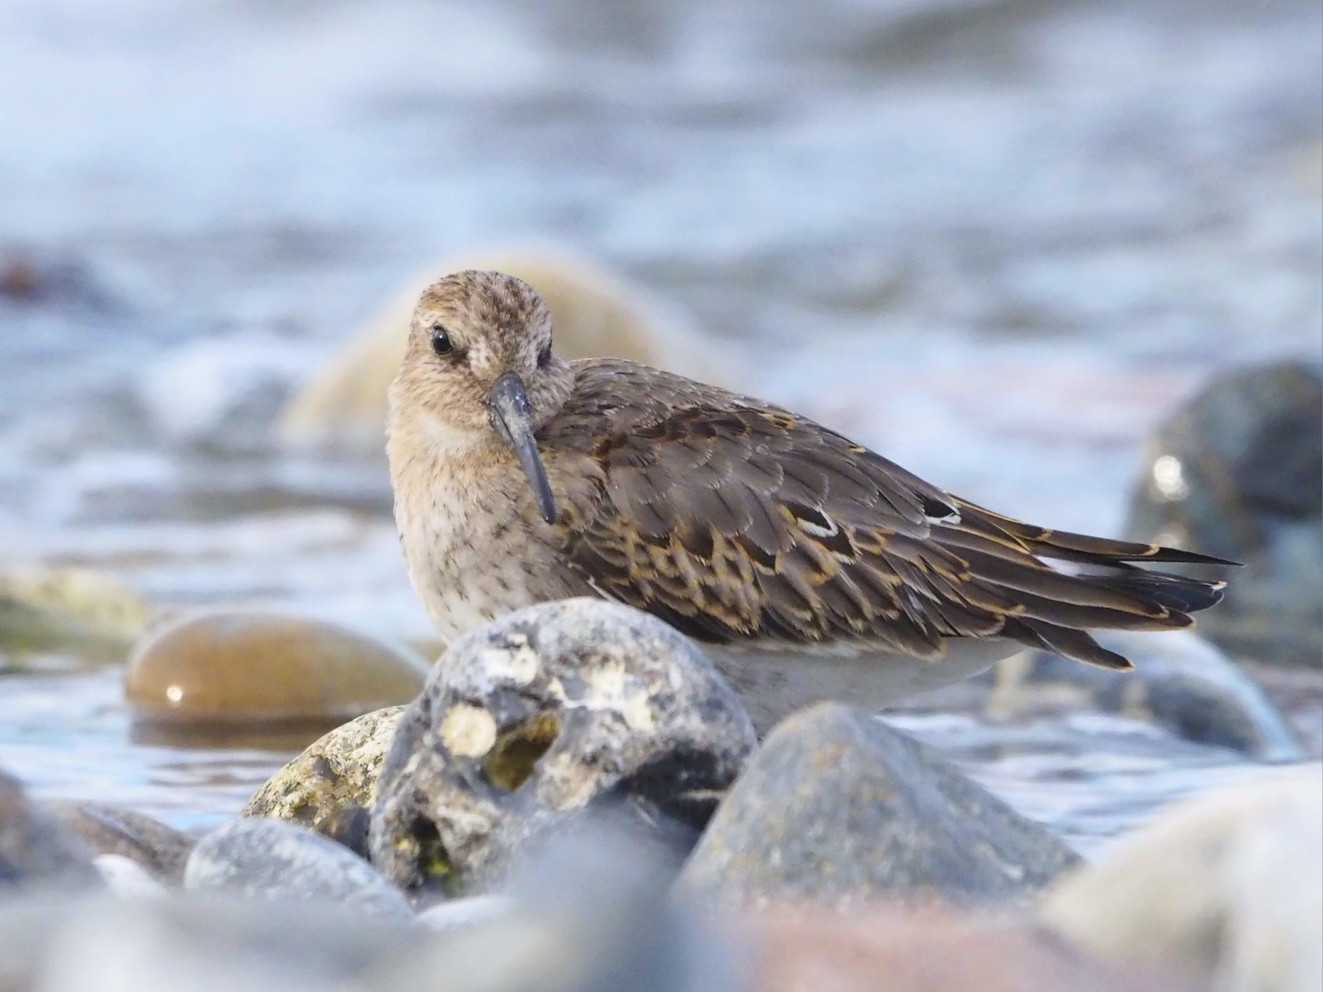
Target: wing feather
column 740, row 522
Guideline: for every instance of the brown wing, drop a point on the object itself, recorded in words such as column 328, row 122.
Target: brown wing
column 736, row 521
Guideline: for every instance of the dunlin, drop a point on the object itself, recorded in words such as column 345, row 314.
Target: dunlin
column 808, row 566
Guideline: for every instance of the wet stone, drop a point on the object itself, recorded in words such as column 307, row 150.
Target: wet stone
column 246, row 666
column 273, row 859
column 159, row 849
column 1235, row 473
column 538, row 716
column 587, row 912
column 839, row 809
column 37, row 852
column 1180, row 682
column 1224, row 889
column 125, row 877
column 73, row 610
column 331, row 785
column 216, row 943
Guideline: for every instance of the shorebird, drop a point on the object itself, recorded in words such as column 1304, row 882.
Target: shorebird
column 807, row 566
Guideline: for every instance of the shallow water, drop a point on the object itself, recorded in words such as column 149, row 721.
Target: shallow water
column 995, row 239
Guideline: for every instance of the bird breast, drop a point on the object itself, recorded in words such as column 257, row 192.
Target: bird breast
column 469, row 552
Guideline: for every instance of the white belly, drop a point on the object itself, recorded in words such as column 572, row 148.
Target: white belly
column 775, row 683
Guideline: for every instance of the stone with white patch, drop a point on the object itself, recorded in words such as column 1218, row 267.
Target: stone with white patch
column 533, row 719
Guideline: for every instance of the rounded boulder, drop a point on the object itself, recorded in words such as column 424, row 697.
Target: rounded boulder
column 240, row 666
column 540, row 716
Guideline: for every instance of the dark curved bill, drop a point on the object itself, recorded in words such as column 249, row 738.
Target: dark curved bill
column 510, row 416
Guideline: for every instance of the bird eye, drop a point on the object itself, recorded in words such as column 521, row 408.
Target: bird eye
column 441, row 341
column 544, row 356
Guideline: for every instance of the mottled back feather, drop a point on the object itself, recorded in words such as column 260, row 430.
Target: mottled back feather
column 737, row 522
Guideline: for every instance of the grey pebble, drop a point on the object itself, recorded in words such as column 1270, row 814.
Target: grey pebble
column 37, row 852
column 275, row 859
column 838, row 808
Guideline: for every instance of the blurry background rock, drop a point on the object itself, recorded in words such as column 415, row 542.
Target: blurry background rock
column 342, row 408
column 37, row 852
column 75, row 611
column 931, row 951
column 1225, row 889
column 213, row 944
column 1180, row 681
column 587, row 913
column 1237, row 471
column 528, row 721
column 159, row 849
column 239, row 667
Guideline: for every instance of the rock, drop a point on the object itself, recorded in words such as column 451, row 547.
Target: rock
column 219, row 392
column 21, row 277
column 925, row 952
column 273, row 859
column 1180, row 682
column 839, row 809
column 1226, row 888
column 1235, row 472
column 125, row 877
column 111, row 830
column 539, row 715
column 589, row 914
column 463, row 914
column 73, row 610
column 37, row 852
column 245, row 666
column 330, row 786
column 218, row 944
column 594, row 313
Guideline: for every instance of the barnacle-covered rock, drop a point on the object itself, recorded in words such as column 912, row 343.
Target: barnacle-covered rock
column 538, row 716
column 331, row 785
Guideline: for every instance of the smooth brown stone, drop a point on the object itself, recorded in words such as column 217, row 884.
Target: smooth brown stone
column 243, row 666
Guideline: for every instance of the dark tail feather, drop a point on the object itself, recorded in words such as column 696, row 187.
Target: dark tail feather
column 1068, row 546
column 1176, row 592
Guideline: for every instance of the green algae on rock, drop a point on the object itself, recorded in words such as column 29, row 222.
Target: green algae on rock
column 335, row 776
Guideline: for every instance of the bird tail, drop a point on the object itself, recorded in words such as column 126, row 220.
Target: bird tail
column 1096, row 586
